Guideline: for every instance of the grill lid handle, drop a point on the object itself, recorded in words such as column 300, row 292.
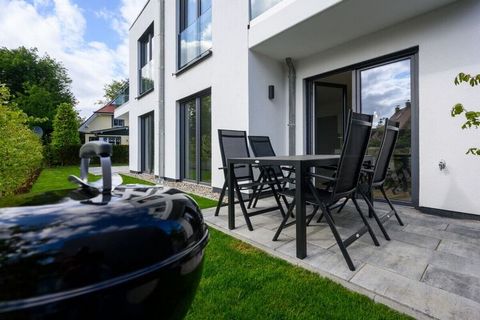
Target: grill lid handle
column 104, row 151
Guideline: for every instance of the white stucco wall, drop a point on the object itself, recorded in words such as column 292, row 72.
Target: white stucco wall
column 268, row 117
column 225, row 72
column 150, row 102
column 449, row 42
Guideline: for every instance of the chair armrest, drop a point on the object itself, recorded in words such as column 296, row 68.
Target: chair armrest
column 289, row 169
column 316, row 175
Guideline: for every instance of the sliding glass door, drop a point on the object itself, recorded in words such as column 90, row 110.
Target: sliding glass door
column 147, row 146
column 196, row 139
column 385, row 91
column 385, row 87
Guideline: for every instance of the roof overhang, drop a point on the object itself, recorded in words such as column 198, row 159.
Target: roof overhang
column 300, row 28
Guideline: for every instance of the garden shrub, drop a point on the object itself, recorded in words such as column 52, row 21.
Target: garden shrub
column 65, row 132
column 70, row 155
column 20, row 149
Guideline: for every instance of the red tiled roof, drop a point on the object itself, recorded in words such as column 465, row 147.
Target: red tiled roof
column 109, row 108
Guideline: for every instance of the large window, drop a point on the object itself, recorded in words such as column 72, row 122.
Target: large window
column 145, row 61
column 196, row 138
column 195, row 37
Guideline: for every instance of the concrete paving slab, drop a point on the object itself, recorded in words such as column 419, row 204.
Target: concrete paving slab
column 430, row 300
column 458, row 283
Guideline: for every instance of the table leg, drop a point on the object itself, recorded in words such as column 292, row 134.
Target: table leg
column 231, row 197
column 301, row 224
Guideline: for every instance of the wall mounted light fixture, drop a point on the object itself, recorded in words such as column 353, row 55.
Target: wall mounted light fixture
column 271, row 92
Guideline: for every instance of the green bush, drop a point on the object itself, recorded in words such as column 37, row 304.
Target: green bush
column 65, row 132
column 20, row 148
column 69, row 155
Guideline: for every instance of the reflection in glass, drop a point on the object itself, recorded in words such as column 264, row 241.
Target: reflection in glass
column 257, row 7
column 196, row 38
column 385, row 93
column 205, row 139
column 190, row 141
column 146, row 77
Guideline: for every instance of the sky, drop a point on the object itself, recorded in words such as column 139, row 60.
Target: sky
column 385, row 87
column 89, row 37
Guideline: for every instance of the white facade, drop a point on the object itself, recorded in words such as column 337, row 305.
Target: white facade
column 322, row 36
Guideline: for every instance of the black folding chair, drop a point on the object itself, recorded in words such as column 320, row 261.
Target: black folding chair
column 233, row 144
column 377, row 174
column 344, row 183
column 262, row 147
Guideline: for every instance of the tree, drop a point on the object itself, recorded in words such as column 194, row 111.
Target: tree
column 20, row 149
column 65, row 130
column 111, row 90
column 472, row 117
column 39, row 84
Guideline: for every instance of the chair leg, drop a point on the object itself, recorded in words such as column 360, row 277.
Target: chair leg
column 284, row 221
column 370, row 231
column 342, row 205
column 255, row 190
column 391, row 206
column 242, row 206
column 220, row 200
column 339, row 240
column 315, row 209
column 374, row 213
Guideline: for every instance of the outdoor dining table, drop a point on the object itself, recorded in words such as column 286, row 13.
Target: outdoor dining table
column 301, row 164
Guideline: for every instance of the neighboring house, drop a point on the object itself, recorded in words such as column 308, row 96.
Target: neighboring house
column 102, row 125
column 200, row 65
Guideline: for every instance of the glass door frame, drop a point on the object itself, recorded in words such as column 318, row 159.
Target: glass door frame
column 410, row 53
column 198, row 99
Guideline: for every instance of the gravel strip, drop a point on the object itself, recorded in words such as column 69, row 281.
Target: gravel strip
column 189, row 187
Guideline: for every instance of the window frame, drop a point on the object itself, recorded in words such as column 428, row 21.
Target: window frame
column 145, row 56
column 182, row 7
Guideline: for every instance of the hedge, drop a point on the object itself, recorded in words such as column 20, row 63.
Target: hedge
column 69, row 155
column 20, row 149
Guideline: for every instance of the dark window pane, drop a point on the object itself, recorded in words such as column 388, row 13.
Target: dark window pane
column 190, row 141
column 205, row 139
column 385, row 93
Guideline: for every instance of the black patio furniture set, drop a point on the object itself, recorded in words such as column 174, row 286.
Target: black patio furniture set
column 326, row 182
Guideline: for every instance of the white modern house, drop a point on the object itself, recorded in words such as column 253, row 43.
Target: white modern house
column 290, row 69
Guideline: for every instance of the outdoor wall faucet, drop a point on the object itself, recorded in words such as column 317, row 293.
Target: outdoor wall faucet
column 442, row 165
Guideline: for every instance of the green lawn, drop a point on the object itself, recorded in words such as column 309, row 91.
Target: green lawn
column 241, row 282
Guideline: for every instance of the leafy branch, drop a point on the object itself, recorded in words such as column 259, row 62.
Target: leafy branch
column 472, row 117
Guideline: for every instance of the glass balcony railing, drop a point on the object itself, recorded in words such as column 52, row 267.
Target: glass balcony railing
column 146, row 77
column 196, row 38
column 123, row 96
column 257, row 7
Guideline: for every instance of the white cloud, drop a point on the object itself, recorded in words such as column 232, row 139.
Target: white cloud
column 61, row 33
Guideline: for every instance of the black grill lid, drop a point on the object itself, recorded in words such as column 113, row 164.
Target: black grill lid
column 63, row 240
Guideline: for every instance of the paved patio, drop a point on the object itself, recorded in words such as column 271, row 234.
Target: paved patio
column 430, row 268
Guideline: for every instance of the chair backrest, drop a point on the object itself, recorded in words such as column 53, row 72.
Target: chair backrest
column 233, row 144
column 359, row 128
column 262, row 147
column 390, row 136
